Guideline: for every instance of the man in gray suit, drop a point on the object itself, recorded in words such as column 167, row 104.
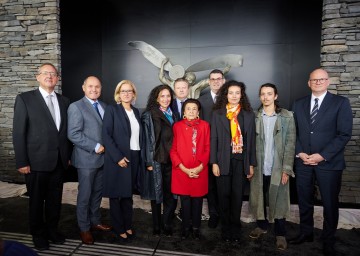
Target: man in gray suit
column 84, row 130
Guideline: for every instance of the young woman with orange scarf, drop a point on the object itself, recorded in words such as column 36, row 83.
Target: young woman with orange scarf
column 233, row 153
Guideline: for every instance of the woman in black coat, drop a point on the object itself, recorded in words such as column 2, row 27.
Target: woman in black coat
column 233, row 154
column 157, row 121
column 122, row 136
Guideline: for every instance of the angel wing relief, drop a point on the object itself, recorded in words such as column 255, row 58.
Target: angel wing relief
column 158, row 59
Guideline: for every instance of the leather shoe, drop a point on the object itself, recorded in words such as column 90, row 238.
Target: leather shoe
column 328, row 249
column 302, row 239
column 101, row 227
column 213, row 221
column 56, row 237
column 86, row 237
column 40, row 243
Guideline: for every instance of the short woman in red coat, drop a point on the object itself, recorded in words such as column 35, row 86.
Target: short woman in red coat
column 190, row 154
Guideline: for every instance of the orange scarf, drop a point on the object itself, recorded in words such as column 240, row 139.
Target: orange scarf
column 236, row 136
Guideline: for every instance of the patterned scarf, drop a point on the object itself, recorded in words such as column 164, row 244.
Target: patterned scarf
column 168, row 114
column 193, row 124
column 236, row 136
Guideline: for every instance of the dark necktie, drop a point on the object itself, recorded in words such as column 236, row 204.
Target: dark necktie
column 180, row 110
column 95, row 104
column 314, row 111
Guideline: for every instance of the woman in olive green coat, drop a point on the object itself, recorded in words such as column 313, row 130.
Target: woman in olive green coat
column 275, row 149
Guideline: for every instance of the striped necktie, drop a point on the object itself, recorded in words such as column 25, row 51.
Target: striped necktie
column 314, row 111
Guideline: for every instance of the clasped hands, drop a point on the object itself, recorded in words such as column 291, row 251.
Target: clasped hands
column 313, row 159
column 192, row 172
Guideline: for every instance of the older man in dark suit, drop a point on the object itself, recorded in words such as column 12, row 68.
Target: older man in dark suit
column 324, row 126
column 42, row 153
column 216, row 80
column 181, row 90
column 84, row 130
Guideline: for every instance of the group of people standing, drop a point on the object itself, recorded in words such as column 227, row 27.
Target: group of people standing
column 182, row 148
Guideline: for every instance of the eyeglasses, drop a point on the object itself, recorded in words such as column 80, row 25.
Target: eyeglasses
column 216, row 79
column 126, row 91
column 46, row 73
column 315, row 81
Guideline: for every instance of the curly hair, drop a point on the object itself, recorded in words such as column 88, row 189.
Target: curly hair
column 221, row 99
column 154, row 94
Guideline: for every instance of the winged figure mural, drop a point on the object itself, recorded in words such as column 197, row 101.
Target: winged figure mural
column 169, row 72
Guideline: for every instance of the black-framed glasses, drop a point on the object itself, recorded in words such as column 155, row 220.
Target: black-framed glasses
column 320, row 80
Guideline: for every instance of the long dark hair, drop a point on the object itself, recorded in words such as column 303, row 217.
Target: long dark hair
column 276, row 102
column 154, row 94
column 221, row 98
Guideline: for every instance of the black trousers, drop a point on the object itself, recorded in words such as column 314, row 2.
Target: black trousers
column 329, row 182
column 121, row 212
column 45, row 194
column 121, row 209
column 212, row 197
column 169, row 201
column 279, row 227
column 230, row 192
column 191, row 211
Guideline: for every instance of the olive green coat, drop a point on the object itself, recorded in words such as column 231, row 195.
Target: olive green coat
column 279, row 194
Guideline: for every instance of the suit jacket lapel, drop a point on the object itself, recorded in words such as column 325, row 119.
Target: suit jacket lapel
column 224, row 120
column 306, row 109
column 91, row 109
column 323, row 107
column 121, row 113
column 46, row 109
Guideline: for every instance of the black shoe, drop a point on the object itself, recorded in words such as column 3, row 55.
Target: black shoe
column 168, row 232
column 196, row 233
column 131, row 236
column 40, row 243
column 328, row 249
column 56, row 237
column 185, row 234
column 226, row 236
column 213, row 221
column 156, row 232
column 301, row 239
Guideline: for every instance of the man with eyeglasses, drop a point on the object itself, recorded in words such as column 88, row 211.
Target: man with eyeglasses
column 324, row 126
column 85, row 132
column 207, row 101
column 42, row 153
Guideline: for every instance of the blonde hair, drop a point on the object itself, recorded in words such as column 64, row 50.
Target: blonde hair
column 118, row 88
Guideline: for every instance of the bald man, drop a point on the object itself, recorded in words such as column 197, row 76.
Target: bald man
column 324, row 126
column 84, row 131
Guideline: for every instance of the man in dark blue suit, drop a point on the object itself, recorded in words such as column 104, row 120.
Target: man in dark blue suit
column 181, row 90
column 324, row 126
column 207, row 101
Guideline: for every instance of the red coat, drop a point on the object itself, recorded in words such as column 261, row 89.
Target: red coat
column 182, row 152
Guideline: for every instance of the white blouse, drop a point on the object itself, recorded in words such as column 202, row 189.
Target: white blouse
column 135, row 131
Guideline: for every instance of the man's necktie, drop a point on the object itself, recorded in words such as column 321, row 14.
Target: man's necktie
column 95, row 104
column 314, row 111
column 180, row 110
column 50, row 105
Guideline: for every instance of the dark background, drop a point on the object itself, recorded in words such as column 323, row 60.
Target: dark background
column 279, row 40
